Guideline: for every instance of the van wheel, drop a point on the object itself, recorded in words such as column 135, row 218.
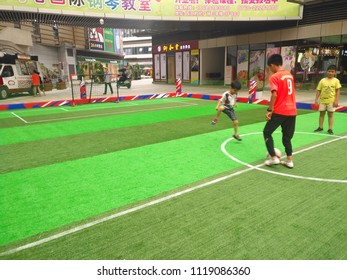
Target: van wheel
column 3, row 93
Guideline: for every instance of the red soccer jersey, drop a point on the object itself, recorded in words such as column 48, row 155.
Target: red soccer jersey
column 35, row 78
column 283, row 82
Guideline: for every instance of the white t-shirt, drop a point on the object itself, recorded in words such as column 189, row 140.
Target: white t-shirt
column 228, row 99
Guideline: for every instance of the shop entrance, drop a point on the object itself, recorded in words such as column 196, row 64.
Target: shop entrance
column 171, row 69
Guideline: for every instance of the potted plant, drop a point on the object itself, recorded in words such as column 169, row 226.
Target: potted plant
column 61, row 84
column 48, row 86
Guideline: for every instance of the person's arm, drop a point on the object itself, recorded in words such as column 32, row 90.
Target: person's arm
column 317, row 97
column 218, row 104
column 271, row 105
column 337, row 96
column 235, row 104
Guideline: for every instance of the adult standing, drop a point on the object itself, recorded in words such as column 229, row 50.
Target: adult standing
column 107, row 81
column 281, row 111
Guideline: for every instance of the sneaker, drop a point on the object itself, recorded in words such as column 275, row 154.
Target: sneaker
column 237, row 137
column 318, row 129
column 287, row 163
column 272, row 161
column 330, row 132
column 214, row 121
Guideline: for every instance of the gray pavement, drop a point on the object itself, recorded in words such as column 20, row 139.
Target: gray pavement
column 146, row 86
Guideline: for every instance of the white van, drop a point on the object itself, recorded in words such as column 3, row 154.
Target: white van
column 15, row 74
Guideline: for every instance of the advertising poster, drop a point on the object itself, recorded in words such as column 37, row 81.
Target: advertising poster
column 242, row 67
column 288, row 54
column 269, row 52
column 256, row 68
column 194, row 64
column 186, row 66
column 163, row 66
column 96, row 38
column 178, row 60
column 156, row 10
column 157, row 67
column 117, row 41
column 228, row 74
column 109, row 39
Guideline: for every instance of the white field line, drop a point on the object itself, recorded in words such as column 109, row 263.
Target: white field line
column 19, row 117
column 64, row 109
column 258, row 167
column 119, row 214
column 115, row 113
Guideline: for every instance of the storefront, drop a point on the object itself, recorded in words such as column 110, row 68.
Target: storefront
column 306, row 59
column 177, row 60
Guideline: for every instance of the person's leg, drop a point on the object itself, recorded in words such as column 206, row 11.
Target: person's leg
column 330, row 122
column 236, row 127
column 42, row 87
column 321, row 119
column 111, row 89
column 219, row 111
column 105, row 89
column 34, row 90
column 330, row 119
column 322, row 109
column 288, row 128
column 269, row 128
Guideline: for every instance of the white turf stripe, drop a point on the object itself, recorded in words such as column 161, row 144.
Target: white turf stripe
column 257, row 167
column 19, row 117
column 115, row 113
column 123, row 213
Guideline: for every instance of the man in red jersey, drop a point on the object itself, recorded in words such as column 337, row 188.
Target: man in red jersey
column 281, row 111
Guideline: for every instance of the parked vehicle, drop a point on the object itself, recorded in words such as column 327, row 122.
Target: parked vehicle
column 124, row 80
column 15, row 74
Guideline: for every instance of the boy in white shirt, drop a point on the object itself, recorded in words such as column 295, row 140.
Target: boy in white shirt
column 226, row 105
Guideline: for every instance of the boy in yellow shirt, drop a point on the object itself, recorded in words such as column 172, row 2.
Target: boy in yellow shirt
column 328, row 93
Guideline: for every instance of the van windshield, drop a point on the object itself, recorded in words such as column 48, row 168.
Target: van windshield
column 22, row 67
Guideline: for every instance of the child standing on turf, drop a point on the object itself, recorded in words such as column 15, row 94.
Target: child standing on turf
column 328, row 93
column 226, row 105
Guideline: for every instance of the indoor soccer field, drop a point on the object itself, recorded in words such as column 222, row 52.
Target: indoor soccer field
column 154, row 180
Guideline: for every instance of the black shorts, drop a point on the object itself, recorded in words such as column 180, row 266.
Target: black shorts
column 230, row 113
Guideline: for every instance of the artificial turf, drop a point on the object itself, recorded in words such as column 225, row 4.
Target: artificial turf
column 87, row 167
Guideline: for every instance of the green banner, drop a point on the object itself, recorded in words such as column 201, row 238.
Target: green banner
column 168, row 9
column 109, row 39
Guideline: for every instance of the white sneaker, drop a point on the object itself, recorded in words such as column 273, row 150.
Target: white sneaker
column 287, row 163
column 272, row 161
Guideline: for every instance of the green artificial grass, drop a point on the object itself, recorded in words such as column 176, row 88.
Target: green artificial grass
column 88, row 167
column 240, row 218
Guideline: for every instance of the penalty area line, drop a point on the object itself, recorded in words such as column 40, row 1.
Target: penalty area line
column 122, row 213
